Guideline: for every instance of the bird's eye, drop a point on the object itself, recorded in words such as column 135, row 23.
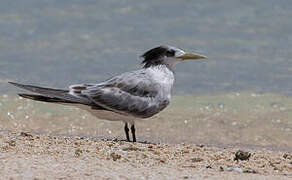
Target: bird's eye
column 170, row 53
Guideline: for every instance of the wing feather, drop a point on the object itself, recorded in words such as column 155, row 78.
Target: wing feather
column 130, row 94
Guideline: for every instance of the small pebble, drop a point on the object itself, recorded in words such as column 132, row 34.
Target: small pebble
column 115, row 156
column 241, row 155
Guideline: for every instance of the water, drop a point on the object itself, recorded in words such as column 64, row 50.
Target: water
column 57, row 43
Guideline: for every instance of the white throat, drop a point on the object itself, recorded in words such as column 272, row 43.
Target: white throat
column 171, row 62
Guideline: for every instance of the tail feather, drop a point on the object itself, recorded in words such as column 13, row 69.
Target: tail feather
column 40, row 90
column 50, row 95
column 44, row 98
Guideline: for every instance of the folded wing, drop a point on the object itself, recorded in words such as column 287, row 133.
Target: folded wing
column 129, row 94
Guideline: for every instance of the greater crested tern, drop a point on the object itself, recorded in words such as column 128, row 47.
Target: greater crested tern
column 127, row 97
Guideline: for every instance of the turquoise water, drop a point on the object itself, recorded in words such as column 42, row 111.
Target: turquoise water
column 57, row 43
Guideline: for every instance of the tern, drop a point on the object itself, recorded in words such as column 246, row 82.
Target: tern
column 127, row 97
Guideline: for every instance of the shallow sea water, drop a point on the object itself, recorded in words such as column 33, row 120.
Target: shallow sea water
column 58, row 43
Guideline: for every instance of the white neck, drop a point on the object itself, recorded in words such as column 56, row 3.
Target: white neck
column 164, row 77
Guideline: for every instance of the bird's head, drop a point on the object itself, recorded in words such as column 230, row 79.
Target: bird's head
column 167, row 55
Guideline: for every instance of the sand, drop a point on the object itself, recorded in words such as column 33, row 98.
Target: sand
column 30, row 156
column 196, row 137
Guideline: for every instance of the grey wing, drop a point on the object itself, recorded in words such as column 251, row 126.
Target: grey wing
column 130, row 94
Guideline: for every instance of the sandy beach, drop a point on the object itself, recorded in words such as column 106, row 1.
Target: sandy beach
column 195, row 138
column 29, row 156
column 229, row 115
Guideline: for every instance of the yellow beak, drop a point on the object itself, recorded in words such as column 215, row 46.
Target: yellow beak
column 193, row 56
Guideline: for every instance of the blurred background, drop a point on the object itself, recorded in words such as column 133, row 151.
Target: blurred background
column 239, row 95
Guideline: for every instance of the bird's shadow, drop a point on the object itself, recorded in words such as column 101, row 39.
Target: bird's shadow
column 123, row 140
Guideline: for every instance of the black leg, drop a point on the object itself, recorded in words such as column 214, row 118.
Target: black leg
column 127, row 131
column 133, row 132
